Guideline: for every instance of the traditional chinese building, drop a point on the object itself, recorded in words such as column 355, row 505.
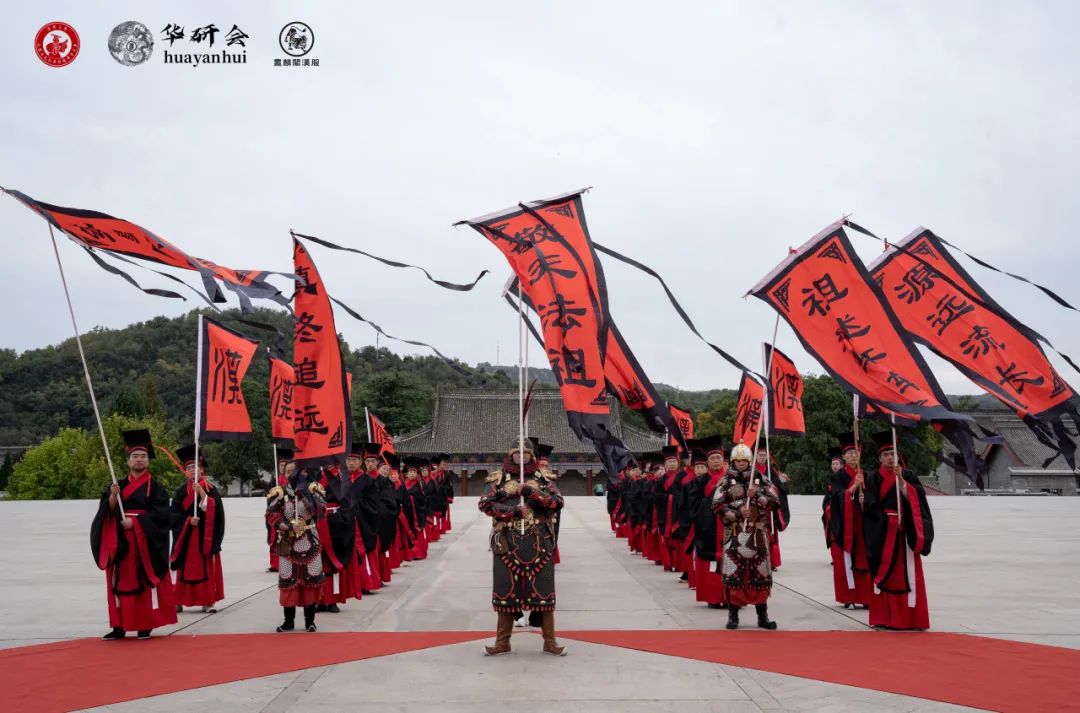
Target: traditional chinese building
column 1015, row 466
column 477, row 427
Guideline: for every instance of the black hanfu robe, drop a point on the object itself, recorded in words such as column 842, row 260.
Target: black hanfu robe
column 895, row 549
column 337, row 533
column 136, row 561
column 196, row 551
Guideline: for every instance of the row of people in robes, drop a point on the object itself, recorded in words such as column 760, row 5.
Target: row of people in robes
column 131, row 531
column 340, row 535
column 721, row 532
column 878, row 527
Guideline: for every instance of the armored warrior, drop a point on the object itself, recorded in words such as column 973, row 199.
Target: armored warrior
column 523, row 547
column 744, row 501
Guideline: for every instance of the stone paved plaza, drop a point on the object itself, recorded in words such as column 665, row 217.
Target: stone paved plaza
column 1001, row 567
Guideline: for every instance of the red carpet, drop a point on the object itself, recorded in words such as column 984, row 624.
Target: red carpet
column 89, row 672
column 966, row 670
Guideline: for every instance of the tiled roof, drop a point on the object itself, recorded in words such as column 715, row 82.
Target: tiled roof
column 487, row 422
column 1018, row 437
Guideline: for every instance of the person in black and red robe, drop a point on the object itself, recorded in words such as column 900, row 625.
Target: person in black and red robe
column 899, row 533
column 743, row 502
column 197, row 534
column 284, row 456
column 414, row 508
column 436, row 502
column 386, row 523
column 836, row 464
column 651, row 469
column 446, row 479
column 613, row 494
column 393, row 500
column 133, row 546
column 543, row 466
column 367, row 510
column 851, row 568
column 708, row 529
column 337, row 533
column 635, row 511
column 664, row 506
column 781, row 516
column 684, row 515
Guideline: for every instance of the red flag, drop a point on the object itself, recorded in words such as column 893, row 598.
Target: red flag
column 224, row 359
column 100, row 231
column 785, row 395
column 748, row 410
column 941, row 306
column 684, row 421
column 322, row 416
column 377, row 433
column 548, row 249
column 282, row 379
column 825, row 293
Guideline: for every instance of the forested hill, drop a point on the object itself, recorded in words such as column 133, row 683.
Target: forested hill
column 144, row 375
column 149, row 368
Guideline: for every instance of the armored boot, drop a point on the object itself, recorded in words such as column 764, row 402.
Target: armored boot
column 763, row 617
column 732, row 617
column 290, row 620
column 503, row 629
column 547, row 628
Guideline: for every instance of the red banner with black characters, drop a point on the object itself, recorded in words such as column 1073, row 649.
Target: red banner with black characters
column 840, row 316
column 322, row 415
column 684, row 421
column 377, row 433
column 101, row 231
column 282, row 379
column 628, row 382
column 748, row 410
column 941, row 306
column 785, row 412
column 548, row 248
column 224, row 357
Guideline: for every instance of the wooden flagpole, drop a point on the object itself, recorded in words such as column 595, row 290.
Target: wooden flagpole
column 86, row 370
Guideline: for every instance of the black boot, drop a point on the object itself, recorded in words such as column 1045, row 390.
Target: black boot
column 720, row 605
column 143, row 635
column 536, row 619
column 763, row 617
column 733, row 617
column 290, row 619
column 309, row 617
column 115, row 635
column 332, row 609
column 684, row 576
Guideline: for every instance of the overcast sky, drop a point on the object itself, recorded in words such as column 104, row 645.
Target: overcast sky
column 715, row 135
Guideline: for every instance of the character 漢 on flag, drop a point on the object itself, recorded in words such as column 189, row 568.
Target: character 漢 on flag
column 224, row 357
column 785, row 413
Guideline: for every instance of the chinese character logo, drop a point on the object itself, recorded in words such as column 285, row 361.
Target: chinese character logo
column 131, row 43
column 57, row 44
column 296, row 39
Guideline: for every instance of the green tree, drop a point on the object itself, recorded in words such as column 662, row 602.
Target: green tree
column 72, row 463
column 401, row 400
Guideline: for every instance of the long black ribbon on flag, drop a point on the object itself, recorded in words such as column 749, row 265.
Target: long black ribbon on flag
column 974, row 298
column 117, row 271
column 356, row 315
column 678, row 308
column 460, row 287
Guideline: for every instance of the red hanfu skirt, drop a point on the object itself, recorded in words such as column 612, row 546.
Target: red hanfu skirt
column 709, row 585
column 893, row 610
column 201, row 594
column 863, row 586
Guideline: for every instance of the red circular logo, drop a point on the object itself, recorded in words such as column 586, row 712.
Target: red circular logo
column 57, row 44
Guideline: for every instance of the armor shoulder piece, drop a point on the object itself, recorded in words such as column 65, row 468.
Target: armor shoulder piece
column 547, row 474
column 494, row 477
